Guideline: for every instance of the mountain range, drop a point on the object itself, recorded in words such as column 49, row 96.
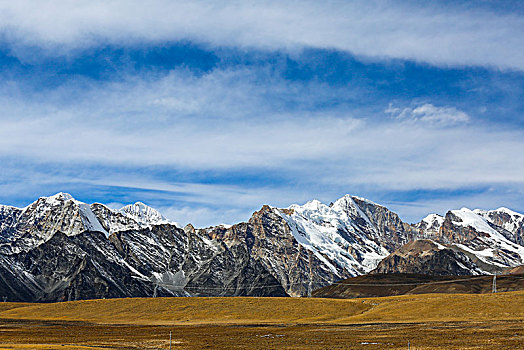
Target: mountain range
column 59, row 248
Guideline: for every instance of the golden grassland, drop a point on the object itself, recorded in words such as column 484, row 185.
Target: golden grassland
column 434, row 321
column 247, row 310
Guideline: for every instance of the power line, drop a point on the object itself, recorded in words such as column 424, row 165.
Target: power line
column 260, row 286
column 406, row 284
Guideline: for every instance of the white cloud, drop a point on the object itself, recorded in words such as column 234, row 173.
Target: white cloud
column 205, row 217
column 221, row 120
column 438, row 35
column 225, row 121
column 232, row 123
column 430, row 115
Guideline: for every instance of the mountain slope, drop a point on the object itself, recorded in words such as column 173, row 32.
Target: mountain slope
column 476, row 234
column 507, row 219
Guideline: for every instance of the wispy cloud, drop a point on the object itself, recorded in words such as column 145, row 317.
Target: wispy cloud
column 442, row 35
column 221, row 119
column 430, row 115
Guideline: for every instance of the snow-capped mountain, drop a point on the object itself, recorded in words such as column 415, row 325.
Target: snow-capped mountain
column 144, row 214
column 507, row 219
column 58, row 248
column 354, row 233
column 490, row 238
column 39, row 221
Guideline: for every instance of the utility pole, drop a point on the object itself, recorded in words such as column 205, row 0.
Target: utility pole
column 170, row 340
column 494, row 288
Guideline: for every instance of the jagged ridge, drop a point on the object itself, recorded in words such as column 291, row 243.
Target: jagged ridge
column 58, row 248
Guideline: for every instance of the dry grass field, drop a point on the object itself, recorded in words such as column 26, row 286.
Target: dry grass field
column 435, row 321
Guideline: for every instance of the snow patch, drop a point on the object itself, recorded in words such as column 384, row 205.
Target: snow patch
column 471, row 219
column 89, row 219
column 59, row 197
column 439, row 246
column 431, row 219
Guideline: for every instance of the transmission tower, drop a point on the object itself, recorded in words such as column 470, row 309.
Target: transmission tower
column 494, row 288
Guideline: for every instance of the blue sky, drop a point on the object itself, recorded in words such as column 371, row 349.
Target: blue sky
column 207, row 110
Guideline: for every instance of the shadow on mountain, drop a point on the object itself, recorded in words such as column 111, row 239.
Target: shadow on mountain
column 381, row 285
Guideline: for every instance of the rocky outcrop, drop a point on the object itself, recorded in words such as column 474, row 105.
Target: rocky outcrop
column 427, row 257
column 429, row 226
column 391, row 231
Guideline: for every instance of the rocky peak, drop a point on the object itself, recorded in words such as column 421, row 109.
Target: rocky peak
column 507, row 219
column 430, row 225
column 428, row 258
column 60, row 196
column 63, row 213
column 189, row 229
column 353, row 232
column 488, row 243
column 143, row 214
column 389, row 227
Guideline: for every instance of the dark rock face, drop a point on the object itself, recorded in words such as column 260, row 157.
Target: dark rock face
column 425, row 257
column 267, row 240
column 450, row 232
column 69, row 268
column 40, row 262
column 393, row 232
column 185, row 263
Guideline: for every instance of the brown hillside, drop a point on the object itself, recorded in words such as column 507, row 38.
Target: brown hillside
column 380, row 285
